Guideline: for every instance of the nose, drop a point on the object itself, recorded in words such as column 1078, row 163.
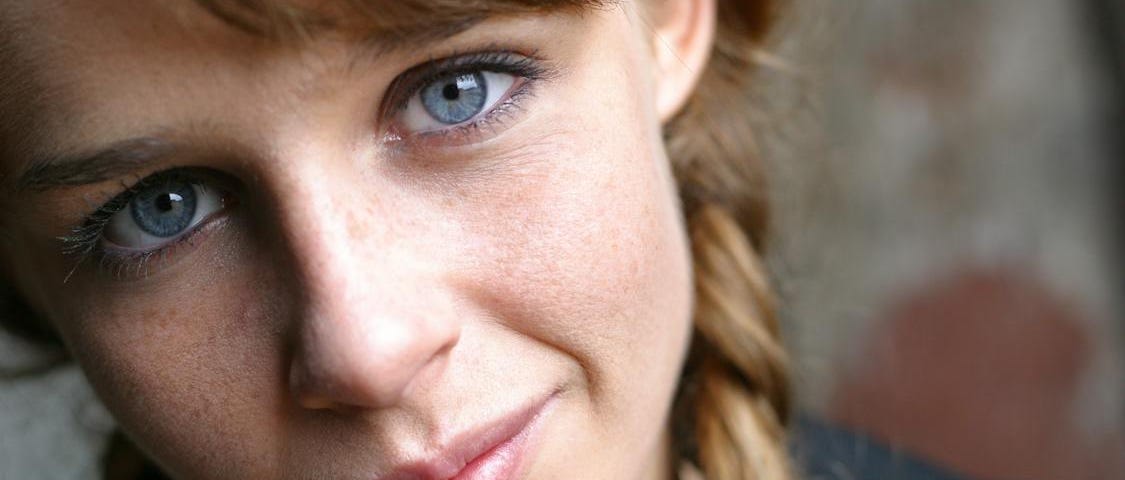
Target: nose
column 374, row 318
column 348, row 356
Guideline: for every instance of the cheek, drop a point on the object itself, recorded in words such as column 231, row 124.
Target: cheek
column 188, row 371
column 589, row 258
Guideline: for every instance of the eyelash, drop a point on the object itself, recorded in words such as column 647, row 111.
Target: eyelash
column 527, row 67
column 84, row 241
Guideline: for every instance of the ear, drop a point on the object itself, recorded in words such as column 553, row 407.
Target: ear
column 683, row 34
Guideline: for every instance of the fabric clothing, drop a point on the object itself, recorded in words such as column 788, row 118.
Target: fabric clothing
column 826, row 452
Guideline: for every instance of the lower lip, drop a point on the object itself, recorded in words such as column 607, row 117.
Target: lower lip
column 505, row 461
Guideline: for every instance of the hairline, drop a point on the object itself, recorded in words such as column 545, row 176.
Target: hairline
column 388, row 21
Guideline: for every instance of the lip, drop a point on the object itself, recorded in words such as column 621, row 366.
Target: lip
column 494, row 450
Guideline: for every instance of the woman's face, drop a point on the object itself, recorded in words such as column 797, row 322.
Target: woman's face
column 342, row 259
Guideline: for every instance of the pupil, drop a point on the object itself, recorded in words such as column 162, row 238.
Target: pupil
column 450, row 91
column 166, row 202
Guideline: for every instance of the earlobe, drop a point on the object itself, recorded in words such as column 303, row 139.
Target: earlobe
column 683, row 35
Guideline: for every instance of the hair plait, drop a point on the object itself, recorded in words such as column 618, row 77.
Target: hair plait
column 734, row 399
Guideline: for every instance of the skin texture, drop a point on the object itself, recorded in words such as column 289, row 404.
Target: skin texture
column 365, row 299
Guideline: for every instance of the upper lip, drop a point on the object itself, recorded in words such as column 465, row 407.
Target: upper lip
column 468, row 445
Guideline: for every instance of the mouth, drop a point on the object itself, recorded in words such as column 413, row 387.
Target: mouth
column 495, row 450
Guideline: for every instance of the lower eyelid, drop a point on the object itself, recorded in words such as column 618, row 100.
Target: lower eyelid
column 508, row 105
column 197, row 223
column 122, row 225
column 125, row 264
column 415, row 118
column 212, row 216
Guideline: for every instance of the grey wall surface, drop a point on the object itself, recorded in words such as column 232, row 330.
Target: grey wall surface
column 952, row 141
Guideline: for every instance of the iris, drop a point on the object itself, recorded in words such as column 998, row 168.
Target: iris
column 455, row 99
column 164, row 210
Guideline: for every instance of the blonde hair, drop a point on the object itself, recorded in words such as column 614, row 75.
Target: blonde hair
column 735, row 395
column 733, row 402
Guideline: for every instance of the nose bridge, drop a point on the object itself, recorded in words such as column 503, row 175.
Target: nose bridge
column 371, row 318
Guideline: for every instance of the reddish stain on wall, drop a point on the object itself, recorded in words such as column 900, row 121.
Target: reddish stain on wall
column 978, row 373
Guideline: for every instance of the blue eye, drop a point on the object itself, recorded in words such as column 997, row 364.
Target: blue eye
column 164, row 211
column 455, row 99
column 161, row 212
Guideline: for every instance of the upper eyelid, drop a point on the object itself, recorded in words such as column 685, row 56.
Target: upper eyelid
column 409, row 82
column 129, row 191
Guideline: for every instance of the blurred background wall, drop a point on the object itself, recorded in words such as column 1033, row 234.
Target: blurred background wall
column 948, row 240
column 947, row 183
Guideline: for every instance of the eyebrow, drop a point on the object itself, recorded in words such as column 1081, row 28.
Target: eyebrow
column 115, row 161
column 374, row 45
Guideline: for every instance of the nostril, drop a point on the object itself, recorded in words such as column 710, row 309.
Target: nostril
column 313, row 402
column 365, row 375
column 306, row 390
column 302, row 390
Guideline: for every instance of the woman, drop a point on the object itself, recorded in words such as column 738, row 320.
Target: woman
column 399, row 239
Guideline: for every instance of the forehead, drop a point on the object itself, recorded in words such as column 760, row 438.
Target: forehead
column 380, row 21
column 52, row 53
column 31, row 31
column 55, row 58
